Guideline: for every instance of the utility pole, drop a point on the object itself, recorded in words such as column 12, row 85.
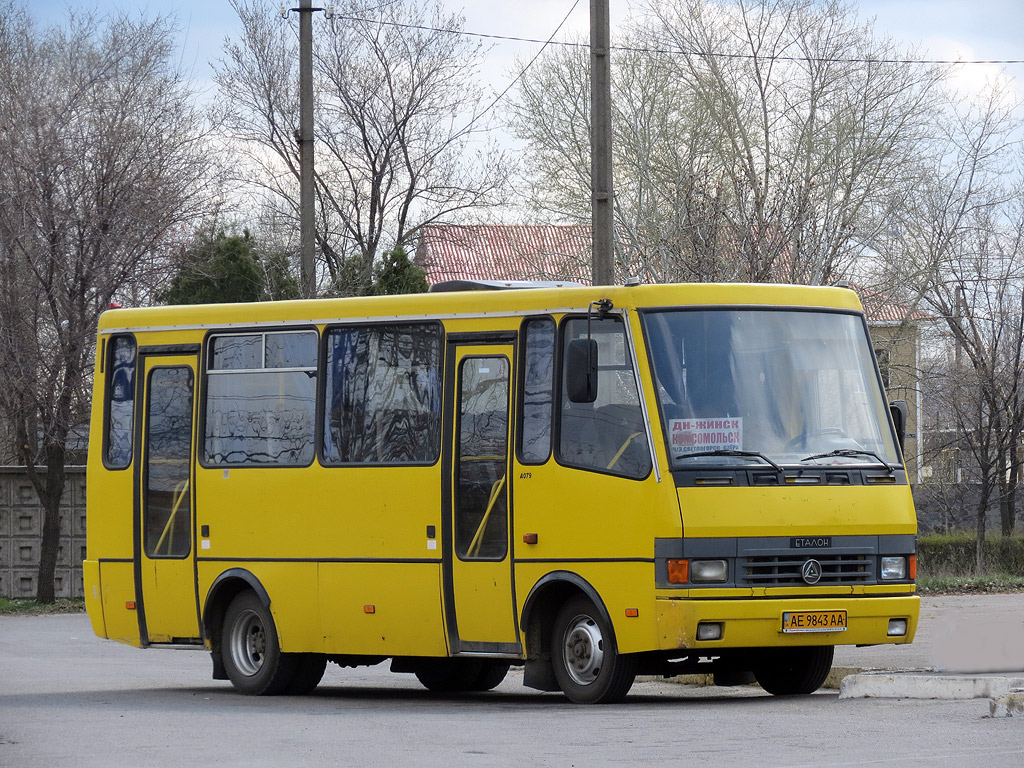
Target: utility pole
column 307, row 232
column 601, row 143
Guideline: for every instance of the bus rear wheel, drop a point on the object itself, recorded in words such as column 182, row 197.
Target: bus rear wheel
column 588, row 667
column 461, row 675
column 491, row 675
column 793, row 671
column 251, row 651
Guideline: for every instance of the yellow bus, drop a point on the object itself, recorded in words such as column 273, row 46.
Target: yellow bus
column 589, row 482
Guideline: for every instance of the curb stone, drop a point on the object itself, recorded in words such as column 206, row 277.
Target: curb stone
column 1005, row 692
column 926, row 685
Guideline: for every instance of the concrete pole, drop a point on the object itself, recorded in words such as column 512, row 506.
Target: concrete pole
column 307, row 232
column 601, row 143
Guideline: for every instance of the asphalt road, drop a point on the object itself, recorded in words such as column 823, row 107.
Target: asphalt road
column 68, row 698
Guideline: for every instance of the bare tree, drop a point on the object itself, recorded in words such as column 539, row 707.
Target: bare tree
column 960, row 256
column 101, row 154
column 667, row 217
column 761, row 140
column 977, row 400
column 399, row 129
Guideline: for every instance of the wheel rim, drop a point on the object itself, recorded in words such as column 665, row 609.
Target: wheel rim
column 248, row 643
column 583, row 650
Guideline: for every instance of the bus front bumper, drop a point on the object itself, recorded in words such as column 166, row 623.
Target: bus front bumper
column 758, row 623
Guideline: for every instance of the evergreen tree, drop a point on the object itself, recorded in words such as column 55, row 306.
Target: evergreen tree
column 394, row 274
column 397, row 274
column 224, row 268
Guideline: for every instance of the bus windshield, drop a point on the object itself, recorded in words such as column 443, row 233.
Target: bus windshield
column 771, row 386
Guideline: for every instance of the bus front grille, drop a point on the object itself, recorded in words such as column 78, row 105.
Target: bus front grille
column 779, row 570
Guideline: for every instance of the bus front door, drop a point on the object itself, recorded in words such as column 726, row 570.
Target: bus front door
column 165, row 583
column 479, row 606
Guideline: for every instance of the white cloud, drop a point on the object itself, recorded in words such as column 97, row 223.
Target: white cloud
column 970, row 80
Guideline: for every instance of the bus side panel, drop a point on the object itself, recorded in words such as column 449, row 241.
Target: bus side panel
column 117, row 592
column 620, row 586
column 313, row 535
column 391, row 609
column 292, row 588
column 582, row 516
column 317, row 513
column 109, row 511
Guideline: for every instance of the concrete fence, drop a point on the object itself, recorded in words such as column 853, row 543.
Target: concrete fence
column 21, row 528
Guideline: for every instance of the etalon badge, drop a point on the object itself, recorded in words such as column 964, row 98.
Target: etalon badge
column 811, row 571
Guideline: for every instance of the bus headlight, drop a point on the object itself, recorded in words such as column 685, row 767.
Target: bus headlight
column 709, row 570
column 894, row 568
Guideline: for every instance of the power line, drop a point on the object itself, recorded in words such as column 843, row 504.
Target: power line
column 424, row 28
column 519, row 77
column 668, row 51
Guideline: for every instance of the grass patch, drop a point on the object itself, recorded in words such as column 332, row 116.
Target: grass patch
column 969, row 585
column 32, row 608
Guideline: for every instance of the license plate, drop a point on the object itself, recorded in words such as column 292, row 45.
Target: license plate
column 814, row 621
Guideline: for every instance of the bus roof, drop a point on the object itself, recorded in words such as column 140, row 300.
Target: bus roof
column 483, row 303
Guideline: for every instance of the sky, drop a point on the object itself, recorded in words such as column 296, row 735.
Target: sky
column 944, row 29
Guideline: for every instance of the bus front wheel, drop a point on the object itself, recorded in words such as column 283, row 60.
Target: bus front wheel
column 309, row 671
column 251, row 651
column 588, row 667
column 793, row 671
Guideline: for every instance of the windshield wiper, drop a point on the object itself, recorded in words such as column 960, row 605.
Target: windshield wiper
column 850, row 452
column 734, row 454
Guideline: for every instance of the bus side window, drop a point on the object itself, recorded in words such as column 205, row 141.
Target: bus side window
column 538, row 386
column 261, row 399
column 608, row 435
column 120, row 402
column 383, row 394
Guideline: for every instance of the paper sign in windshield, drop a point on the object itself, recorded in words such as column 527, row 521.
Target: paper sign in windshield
column 700, row 435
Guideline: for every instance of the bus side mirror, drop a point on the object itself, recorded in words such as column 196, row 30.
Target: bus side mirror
column 899, row 411
column 581, row 371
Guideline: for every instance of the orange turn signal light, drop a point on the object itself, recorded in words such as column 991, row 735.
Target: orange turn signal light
column 130, row 605
column 632, row 613
column 678, row 571
column 912, row 567
column 369, row 609
column 529, row 538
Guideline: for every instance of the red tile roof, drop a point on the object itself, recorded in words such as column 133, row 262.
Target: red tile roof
column 882, row 309
column 505, row 252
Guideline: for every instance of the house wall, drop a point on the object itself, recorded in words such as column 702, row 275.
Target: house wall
column 21, row 525
column 896, row 347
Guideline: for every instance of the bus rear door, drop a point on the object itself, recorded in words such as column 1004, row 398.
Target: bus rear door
column 165, row 580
